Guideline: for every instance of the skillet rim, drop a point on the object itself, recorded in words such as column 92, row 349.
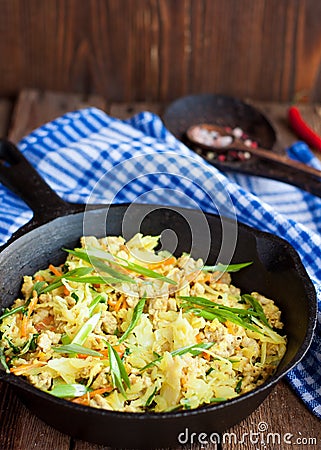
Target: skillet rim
column 265, row 387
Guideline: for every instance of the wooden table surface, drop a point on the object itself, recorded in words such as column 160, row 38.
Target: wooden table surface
column 282, row 412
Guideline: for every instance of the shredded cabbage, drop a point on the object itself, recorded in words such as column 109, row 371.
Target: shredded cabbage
column 192, row 341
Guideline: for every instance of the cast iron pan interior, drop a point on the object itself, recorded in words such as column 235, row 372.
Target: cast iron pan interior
column 276, row 272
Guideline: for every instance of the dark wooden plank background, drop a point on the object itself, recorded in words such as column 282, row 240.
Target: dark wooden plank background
column 158, row 50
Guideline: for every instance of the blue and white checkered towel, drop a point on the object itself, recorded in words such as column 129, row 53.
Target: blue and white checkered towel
column 144, row 161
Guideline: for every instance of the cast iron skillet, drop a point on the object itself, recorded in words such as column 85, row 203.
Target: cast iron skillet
column 276, row 272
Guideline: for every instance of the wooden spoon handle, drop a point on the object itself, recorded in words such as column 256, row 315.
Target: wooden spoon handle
column 238, row 145
column 269, row 155
column 262, row 153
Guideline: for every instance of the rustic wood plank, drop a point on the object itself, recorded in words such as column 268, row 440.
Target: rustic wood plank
column 306, row 51
column 6, row 106
column 277, row 114
column 126, row 110
column 281, row 413
column 156, row 50
column 81, row 445
column 34, row 108
column 22, row 430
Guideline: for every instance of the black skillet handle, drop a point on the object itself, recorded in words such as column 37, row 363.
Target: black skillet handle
column 18, row 175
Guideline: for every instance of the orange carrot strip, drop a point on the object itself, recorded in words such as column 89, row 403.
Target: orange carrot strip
column 84, row 399
column 100, row 391
column 32, row 305
column 39, row 278
column 206, row 356
column 23, row 328
column 20, row 370
column 120, row 349
column 54, row 270
column 111, row 302
column 166, row 262
column 81, row 356
column 81, row 401
column 104, row 352
column 66, row 291
column 118, row 303
column 58, row 273
column 124, row 304
column 25, row 317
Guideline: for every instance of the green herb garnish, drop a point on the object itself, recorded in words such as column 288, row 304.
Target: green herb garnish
column 79, row 272
column 138, row 310
column 238, row 387
column 15, row 349
column 65, row 339
column 98, row 299
column 72, row 275
column 3, row 360
column 68, row 390
column 74, row 296
column 118, row 372
column 218, row 399
column 52, row 286
column 97, row 254
column 267, row 331
column 226, row 267
column 83, row 333
column 76, row 349
column 97, row 263
column 38, row 287
column 13, row 311
column 257, row 308
column 95, row 279
column 194, row 350
column 185, row 402
column 150, row 399
column 210, row 311
column 31, row 344
column 144, row 271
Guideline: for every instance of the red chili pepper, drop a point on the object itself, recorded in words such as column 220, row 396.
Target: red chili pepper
column 302, row 129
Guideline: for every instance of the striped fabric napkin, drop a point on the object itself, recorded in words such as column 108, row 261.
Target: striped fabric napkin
column 87, row 156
